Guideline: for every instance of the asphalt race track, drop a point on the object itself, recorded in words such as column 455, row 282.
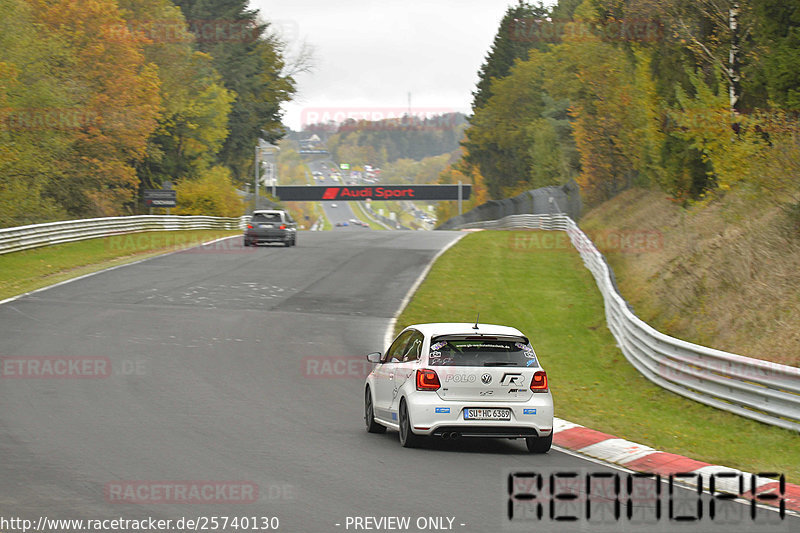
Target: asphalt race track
column 343, row 212
column 243, row 369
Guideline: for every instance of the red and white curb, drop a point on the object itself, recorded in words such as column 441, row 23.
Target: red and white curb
column 640, row 458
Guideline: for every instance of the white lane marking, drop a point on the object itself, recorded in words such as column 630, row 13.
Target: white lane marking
column 389, row 335
column 7, row 300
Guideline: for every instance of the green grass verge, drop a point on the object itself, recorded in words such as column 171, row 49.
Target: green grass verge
column 326, row 223
column 358, row 210
column 536, row 282
column 403, row 217
column 32, row 269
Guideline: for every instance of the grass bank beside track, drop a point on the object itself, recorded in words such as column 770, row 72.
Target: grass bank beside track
column 358, row 210
column 33, row 269
column 536, row 282
column 326, row 223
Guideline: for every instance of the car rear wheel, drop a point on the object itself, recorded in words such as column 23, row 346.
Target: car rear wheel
column 539, row 444
column 408, row 439
column 247, row 243
column 369, row 415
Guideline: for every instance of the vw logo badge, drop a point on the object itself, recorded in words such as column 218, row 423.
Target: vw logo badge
column 486, row 379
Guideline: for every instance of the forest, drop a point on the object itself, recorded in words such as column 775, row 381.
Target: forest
column 100, row 99
column 690, row 97
column 378, row 142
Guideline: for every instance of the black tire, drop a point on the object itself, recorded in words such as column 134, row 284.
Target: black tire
column 294, row 241
column 408, row 439
column 539, row 444
column 369, row 415
column 247, row 243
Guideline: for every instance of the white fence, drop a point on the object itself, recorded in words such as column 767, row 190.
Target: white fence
column 36, row 235
column 765, row 391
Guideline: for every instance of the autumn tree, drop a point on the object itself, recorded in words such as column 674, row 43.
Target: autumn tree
column 193, row 119
column 250, row 62
column 38, row 117
column 461, row 171
column 522, row 139
column 519, row 31
column 117, row 93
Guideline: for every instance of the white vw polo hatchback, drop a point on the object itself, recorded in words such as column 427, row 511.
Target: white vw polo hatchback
column 452, row 380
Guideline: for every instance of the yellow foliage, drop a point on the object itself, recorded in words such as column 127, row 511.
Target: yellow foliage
column 213, row 194
column 733, row 143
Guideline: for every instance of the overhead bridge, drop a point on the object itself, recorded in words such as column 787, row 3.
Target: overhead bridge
column 317, row 193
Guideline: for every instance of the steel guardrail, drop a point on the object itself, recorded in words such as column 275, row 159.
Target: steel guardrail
column 754, row 388
column 38, row 235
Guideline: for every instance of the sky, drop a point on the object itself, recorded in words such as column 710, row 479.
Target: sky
column 368, row 55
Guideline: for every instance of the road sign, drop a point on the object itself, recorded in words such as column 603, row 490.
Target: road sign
column 160, row 198
column 371, row 192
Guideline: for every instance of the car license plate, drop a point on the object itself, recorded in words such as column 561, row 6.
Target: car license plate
column 487, row 414
column 265, row 225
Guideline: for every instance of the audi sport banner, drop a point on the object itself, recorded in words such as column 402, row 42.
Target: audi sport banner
column 373, row 192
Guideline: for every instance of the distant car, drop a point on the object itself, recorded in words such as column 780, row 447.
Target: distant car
column 271, row 225
column 452, row 380
column 334, row 206
column 342, row 223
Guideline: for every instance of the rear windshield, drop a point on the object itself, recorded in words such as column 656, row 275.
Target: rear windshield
column 481, row 352
column 267, row 217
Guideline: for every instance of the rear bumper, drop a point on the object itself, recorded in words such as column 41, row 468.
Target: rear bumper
column 269, row 236
column 430, row 415
column 489, row 431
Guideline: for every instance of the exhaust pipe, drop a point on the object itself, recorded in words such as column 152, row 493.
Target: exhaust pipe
column 445, row 435
column 454, row 435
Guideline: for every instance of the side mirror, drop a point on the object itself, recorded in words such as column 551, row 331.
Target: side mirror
column 374, row 357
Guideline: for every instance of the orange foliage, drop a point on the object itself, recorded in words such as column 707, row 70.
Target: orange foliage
column 114, row 87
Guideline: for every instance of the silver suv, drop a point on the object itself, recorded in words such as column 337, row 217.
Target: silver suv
column 271, row 225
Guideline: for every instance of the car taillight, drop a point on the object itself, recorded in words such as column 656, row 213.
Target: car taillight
column 283, row 226
column 249, row 226
column 539, row 381
column 427, row 380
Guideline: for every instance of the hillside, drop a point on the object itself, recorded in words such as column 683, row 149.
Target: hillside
column 726, row 275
